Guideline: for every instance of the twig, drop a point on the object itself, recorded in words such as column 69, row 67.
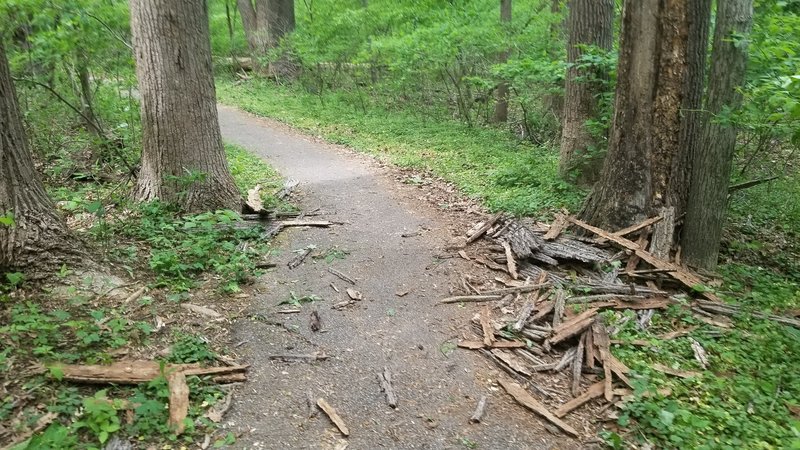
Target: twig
column 480, row 410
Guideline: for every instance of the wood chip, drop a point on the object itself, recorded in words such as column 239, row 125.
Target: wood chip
column 525, row 399
column 333, row 415
column 202, row 310
column 480, row 410
column 178, row 401
column 354, row 294
column 385, row 380
column 594, row 391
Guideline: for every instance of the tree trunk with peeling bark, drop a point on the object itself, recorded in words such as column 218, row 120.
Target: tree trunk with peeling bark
column 183, row 160
column 38, row 239
column 590, row 22
column 711, row 162
column 636, row 175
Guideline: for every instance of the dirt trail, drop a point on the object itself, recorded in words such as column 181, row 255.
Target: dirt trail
column 437, row 393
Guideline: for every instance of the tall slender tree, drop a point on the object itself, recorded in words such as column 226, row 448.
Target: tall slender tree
column 589, row 23
column 183, row 161
column 636, row 175
column 501, row 104
column 711, row 163
column 35, row 237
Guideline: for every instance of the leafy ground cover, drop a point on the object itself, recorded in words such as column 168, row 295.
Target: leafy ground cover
column 745, row 397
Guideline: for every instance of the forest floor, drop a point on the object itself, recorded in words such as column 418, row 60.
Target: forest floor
column 393, row 241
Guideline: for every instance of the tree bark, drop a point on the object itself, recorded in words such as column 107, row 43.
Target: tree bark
column 635, row 180
column 590, row 22
column 183, row 161
column 254, row 22
column 711, row 164
column 501, row 104
column 38, row 239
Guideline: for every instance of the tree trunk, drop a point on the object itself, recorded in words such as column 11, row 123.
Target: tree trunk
column 280, row 20
column 183, row 161
column 635, row 180
column 590, row 22
column 501, row 105
column 711, row 164
column 38, row 239
column 254, row 22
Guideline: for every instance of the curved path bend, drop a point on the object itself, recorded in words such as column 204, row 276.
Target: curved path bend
column 406, row 334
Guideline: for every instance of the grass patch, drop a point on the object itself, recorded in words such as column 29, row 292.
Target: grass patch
column 487, row 164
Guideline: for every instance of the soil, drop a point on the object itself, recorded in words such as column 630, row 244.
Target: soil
column 392, row 240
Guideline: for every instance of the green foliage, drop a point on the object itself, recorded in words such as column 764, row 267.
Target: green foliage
column 100, row 416
column 190, row 349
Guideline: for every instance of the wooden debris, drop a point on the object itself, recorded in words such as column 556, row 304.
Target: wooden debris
column 675, row 372
column 558, row 307
column 573, row 326
column 333, row 415
column 354, row 294
column 523, row 241
column 517, row 289
column 385, row 380
column 512, row 362
column 639, row 226
column 287, row 189
column 731, row 310
column 253, row 202
column 512, row 265
column 594, row 391
column 525, row 399
column 483, row 229
column 178, row 401
column 208, row 312
column 300, row 257
column 341, row 276
column 314, row 321
column 486, row 326
column 699, row 353
column 577, row 365
column 135, row 372
column 603, row 344
column 300, row 357
column 663, row 233
column 480, row 410
column 556, row 227
column 135, row 296
column 471, row 298
column 305, row 223
column 475, row 345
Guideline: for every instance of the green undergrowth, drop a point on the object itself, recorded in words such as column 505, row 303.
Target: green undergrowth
column 489, row 164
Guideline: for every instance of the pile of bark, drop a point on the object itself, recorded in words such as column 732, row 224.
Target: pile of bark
column 544, row 315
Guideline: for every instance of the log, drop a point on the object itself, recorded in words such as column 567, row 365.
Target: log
column 687, row 278
column 573, row 326
column 385, row 380
column 178, row 401
column 333, row 415
column 594, row 391
column 483, row 229
column 480, row 410
column 135, row 372
column 525, row 399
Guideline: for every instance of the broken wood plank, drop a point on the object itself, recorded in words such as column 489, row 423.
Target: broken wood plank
column 178, row 401
column 486, row 327
column 471, row 298
column 333, row 415
column 385, row 380
column 341, row 276
column 556, row 227
column 594, row 391
column 512, row 362
column 483, row 229
column 135, row 372
column 688, row 279
column 512, row 265
column 573, row 326
column 634, row 228
column 525, row 399
column 603, row 344
column 480, row 410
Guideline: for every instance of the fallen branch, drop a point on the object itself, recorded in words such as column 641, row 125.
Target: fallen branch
column 300, row 357
column 333, row 415
column 341, row 276
column 471, row 298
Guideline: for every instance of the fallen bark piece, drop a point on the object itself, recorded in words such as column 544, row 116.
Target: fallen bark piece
column 483, row 229
column 634, row 228
column 525, row 399
column 675, row 372
column 594, row 391
column 135, row 372
column 529, row 306
column 663, row 231
column 474, row 345
column 558, row 307
column 544, row 309
column 333, row 415
column 577, row 365
column 524, row 242
column 316, row 356
column 480, row 410
column 178, row 401
column 556, row 227
column 603, row 344
column 314, row 321
column 486, row 326
column 573, row 326
column 208, row 312
column 512, row 362
column 471, row 298
column 354, row 294
column 385, row 380
column 341, row 276
column 687, row 278
column 699, row 353
column 135, row 296
column 300, row 257
column 510, row 262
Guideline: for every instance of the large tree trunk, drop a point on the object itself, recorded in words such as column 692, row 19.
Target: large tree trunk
column 711, row 164
column 590, row 22
column 183, row 161
column 635, row 180
column 38, row 239
column 254, row 22
column 501, row 105
column 280, row 19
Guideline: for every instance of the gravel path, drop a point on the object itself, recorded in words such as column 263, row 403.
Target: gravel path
column 406, row 334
